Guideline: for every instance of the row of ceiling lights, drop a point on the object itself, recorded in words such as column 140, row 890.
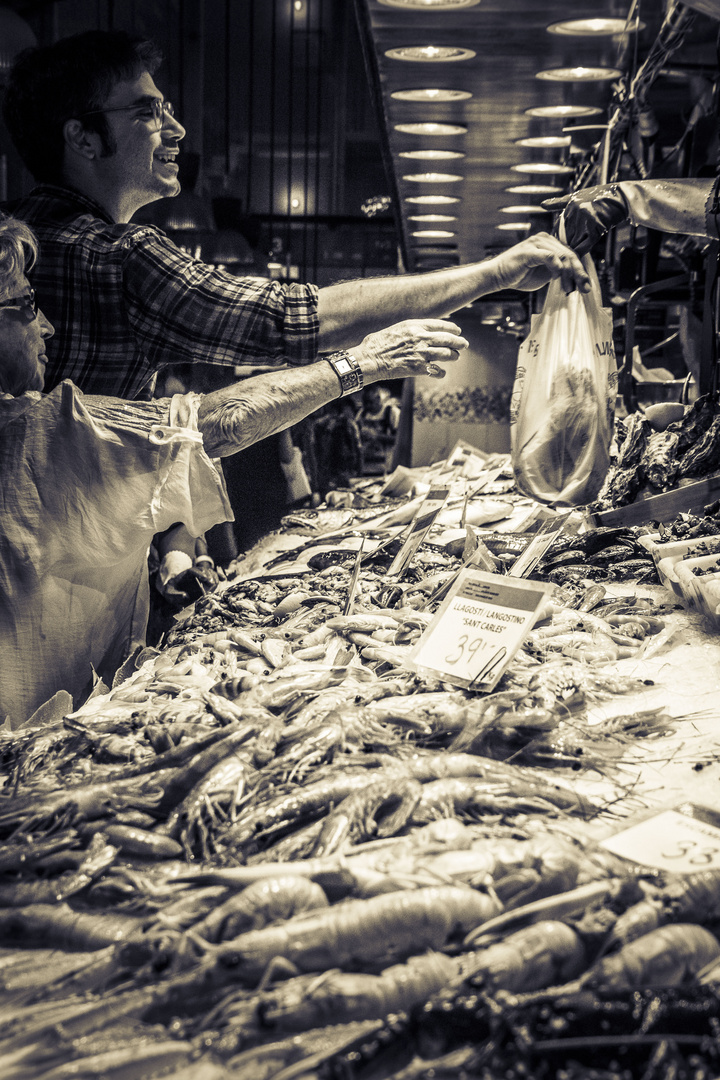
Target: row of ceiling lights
column 449, row 54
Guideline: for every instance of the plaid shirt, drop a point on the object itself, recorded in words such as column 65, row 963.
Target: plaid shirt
column 125, row 301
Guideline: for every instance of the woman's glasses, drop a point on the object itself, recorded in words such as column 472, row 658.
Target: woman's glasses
column 25, row 304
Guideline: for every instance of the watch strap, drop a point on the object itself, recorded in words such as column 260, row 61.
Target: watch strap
column 348, row 371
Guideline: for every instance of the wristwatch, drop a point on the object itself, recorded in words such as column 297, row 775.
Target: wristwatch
column 348, row 372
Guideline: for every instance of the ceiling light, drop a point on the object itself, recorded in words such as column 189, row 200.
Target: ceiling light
column 431, row 94
column 546, row 141
column 432, row 200
column 542, row 167
column 431, row 155
column 594, row 27
column 549, row 112
column 433, row 178
column 429, row 128
column 586, row 127
column 432, row 234
column 514, row 226
column 579, row 74
column 430, row 54
column 431, row 5
column 534, row 189
column 530, row 209
column 431, row 217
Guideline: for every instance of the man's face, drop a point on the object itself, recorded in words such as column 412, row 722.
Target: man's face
column 22, row 340
column 143, row 167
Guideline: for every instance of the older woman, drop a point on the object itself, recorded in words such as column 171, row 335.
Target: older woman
column 85, row 482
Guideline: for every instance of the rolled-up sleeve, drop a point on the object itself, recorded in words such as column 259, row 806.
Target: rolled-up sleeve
column 185, row 310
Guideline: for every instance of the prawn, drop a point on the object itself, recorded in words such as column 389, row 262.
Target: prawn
column 339, row 997
column 58, row 925
column 546, row 953
column 438, row 710
column 181, row 789
column 454, row 795
column 133, row 840
column 692, row 897
column 261, row 903
column 24, row 853
column 281, row 811
column 99, row 856
column 667, row 956
column 356, row 931
column 64, row 807
column 133, row 1061
column 563, row 904
column 190, row 821
column 288, row 684
column 382, row 807
column 438, row 766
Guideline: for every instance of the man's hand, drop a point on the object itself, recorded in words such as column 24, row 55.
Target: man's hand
column 589, row 214
column 413, row 347
column 534, row 262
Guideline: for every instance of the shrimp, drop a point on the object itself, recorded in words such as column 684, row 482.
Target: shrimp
column 356, row 931
column 289, row 683
column 279, row 812
column 58, row 925
column 439, row 710
column 692, row 897
column 427, row 766
column 62, row 808
column 359, row 815
column 339, row 997
column 132, row 840
column 547, row 953
column 265, row 901
column 135, row 1060
column 190, row 821
column 561, row 904
column 98, row 857
column 183, row 785
column 454, row 795
column 25, row 853
column 667, row 956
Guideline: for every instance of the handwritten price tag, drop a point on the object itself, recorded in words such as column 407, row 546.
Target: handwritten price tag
column 477, row 629
column 669, row 841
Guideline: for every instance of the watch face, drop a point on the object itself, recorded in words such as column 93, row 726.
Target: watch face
column 342, row 365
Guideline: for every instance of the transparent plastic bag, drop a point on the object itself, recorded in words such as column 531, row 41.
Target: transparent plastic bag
column 562, row 411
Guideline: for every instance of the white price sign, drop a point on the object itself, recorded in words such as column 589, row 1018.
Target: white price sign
column 477, row 629
column 669, row 841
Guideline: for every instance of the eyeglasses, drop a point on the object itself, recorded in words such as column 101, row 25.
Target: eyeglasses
column 26, row 304
column 154, row 110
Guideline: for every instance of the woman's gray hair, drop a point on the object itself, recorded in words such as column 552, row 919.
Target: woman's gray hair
column 18, row 248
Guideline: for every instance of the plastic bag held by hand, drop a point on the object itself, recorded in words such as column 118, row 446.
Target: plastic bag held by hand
column 561, row 420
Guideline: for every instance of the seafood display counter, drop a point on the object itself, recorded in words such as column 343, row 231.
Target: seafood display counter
column 278, row 847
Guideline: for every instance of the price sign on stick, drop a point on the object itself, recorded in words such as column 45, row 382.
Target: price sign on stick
column 419, row 528
column 682, row 840
column 477, row 629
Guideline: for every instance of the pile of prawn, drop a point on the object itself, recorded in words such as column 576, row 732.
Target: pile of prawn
column 269, row 837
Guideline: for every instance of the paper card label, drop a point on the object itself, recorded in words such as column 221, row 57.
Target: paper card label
column 669, row 841
column 533, row 553
column 419, row 528
column 469, row 460
column 477, row 629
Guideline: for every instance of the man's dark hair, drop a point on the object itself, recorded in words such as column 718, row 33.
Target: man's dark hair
column 55, row 83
